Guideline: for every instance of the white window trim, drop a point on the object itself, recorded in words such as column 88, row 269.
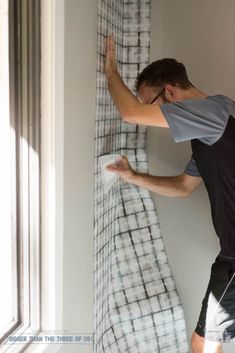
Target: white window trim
column 24, row 120
column 52, row 146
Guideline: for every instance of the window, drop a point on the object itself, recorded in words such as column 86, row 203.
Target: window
column 19, row 170
column 8, row 288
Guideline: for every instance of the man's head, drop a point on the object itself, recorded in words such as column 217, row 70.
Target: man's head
column 163, row 81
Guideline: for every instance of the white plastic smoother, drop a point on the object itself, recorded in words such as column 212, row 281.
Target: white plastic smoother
column 108, row 177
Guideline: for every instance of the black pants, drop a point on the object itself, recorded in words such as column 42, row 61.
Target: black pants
column 217, row 317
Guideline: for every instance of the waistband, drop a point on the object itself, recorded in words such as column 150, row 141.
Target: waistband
column 227, row 257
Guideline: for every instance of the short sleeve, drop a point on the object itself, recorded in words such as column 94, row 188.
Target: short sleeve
column 203, row 119
column 191, row 168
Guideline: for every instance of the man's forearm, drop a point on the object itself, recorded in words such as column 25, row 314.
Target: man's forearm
column 167, row 186
column 127, row 104
column 120, row 93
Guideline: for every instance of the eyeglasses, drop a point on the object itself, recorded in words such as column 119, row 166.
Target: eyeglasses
column 158, row 95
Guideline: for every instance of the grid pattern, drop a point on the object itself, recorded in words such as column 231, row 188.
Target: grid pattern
column 136, row 305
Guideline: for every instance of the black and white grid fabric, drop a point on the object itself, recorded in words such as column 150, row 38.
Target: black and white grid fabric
column 136, row 305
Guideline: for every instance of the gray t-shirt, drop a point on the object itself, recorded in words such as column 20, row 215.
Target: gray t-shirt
column 204, row 119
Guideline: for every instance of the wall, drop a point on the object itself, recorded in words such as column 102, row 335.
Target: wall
column 79, row 112
column 207, row 49
column 200, row 34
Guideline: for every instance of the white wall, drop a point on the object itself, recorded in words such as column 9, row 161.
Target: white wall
column 200, row 34
column 79, row 121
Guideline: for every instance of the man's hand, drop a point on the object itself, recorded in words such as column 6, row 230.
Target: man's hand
column 110, row 62
column 122, row 168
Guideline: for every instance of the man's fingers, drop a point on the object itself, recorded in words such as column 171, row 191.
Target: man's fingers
column 110, row 58
column 121, row 160
column 111, row 167
column 110, row 43
column 121, row 164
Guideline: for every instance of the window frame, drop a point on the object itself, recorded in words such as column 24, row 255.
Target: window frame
column 51, row 175
column 24, row 95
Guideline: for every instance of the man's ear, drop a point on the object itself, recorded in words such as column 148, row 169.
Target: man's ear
column 170, row 92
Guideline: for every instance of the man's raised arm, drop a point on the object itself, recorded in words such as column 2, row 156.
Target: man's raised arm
column 129, row 107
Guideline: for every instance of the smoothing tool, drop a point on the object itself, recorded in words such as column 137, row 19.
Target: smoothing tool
column 108, row 178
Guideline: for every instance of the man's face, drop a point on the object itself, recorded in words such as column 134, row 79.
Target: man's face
column 153, row 95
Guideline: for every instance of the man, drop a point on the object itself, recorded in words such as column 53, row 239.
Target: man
column 166, row 98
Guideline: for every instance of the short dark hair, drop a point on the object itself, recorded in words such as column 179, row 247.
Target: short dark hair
column 164, row 71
